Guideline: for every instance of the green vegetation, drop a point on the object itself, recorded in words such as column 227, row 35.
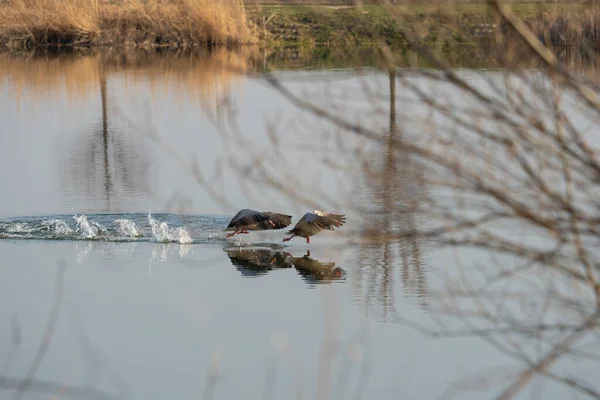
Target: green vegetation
column 326, row 26
column 351, row 26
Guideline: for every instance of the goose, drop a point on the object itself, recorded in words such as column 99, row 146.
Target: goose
column 251, row 220
column 314, row 222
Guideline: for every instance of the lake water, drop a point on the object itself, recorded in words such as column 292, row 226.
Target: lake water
column 119, row 174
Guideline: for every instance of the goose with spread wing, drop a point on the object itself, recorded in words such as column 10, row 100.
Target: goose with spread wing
column 251, row 220
column 314, row 222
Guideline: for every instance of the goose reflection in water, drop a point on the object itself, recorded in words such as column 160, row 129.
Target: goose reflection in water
column 255, row 262
column 314, row 271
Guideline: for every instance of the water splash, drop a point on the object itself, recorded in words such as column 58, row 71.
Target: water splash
column 18, row 228
column 163, row 234
column 183, row 236
column 215, row 234
column 130, row 227
column 52, row 228
column 127, row 228
column 160, row 231
column 57, row 227
column 87, row 229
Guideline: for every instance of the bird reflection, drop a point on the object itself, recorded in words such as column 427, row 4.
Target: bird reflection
column 256, row 262
column 253, row 262
column 313, row 271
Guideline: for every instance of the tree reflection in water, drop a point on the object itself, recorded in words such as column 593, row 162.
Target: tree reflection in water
column 392, row 184
column 109, row 162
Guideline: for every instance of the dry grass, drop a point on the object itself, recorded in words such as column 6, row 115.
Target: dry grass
column 579, row 28
column 49, row 21
column 144, row 23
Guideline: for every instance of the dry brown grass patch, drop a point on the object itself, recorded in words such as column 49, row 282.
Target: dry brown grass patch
column 178, row 22
column 24, row 23
column 579, row 28
column 145, row 23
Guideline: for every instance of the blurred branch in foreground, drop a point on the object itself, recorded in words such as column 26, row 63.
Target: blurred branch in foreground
column 498, row 168
column 48, row 332
column 53, row 388
column 506, row 176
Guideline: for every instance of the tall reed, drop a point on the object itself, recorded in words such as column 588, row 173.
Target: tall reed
column 579, row 28
column 141, row 23
column 24, row 23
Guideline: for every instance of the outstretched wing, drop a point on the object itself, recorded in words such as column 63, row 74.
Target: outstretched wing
column 276, row 220
column 332, row 221
column 311, row 224
column 253, row 220
column 246, row 218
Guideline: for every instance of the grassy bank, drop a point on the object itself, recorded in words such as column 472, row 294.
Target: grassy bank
column 189, row 23
column 305, row 25
column 458, row 23
column 144, row 23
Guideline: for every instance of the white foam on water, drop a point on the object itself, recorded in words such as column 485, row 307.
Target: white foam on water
column 270, row 237
column 216, row 234
column 19, row 227
column 127, row 228
column 88, row 229
column 183, row 236
column 160, row 231
column 163, row 234
column 239, row 241
column 26, row 230
column 12, row 235
column 57, row 226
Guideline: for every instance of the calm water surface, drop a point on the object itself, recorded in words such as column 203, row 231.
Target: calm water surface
column 102, row 207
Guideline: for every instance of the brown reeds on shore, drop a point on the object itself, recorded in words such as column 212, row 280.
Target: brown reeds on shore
column 579, row 28
column 26, row 24
column 140, row 23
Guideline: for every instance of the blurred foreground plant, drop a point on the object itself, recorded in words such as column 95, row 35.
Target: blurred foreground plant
column 502, row 165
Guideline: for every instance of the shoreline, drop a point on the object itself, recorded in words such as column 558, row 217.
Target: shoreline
column 281, row 26
column 255, row 59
